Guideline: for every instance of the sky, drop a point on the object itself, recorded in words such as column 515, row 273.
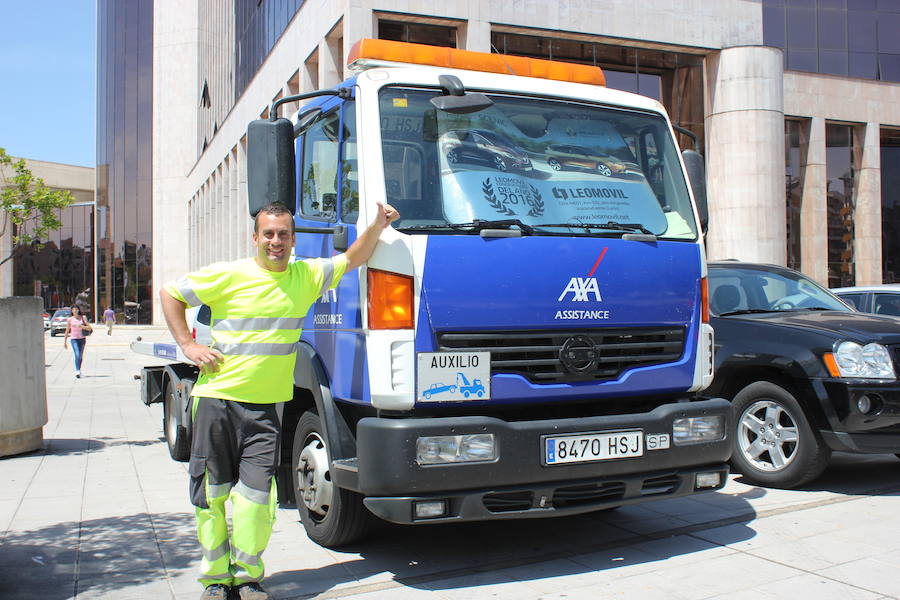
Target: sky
column 48, row 65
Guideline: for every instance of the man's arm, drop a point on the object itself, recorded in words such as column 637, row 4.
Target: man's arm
column 204, row 357
column 361, row 250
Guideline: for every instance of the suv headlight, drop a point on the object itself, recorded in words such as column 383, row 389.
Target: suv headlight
column 872, row 361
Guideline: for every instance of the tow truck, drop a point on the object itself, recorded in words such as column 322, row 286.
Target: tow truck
column 584, row 318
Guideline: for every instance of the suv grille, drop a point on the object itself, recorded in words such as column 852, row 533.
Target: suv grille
column 536, row 355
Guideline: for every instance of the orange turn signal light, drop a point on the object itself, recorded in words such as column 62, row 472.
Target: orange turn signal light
column 831, row 364
column 453, row 58
column 704, row 300
column 390, row 300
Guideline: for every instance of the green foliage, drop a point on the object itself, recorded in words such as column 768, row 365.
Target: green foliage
column 28, row 208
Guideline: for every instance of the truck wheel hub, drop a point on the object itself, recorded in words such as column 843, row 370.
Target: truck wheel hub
column 314, row 487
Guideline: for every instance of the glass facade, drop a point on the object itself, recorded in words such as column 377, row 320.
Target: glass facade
column 258, row 25
column 794, row 131
column 890, row 205
column 124, row 158
column 840, row 171
column 675, row 79
column 61, row 271
column 855, row 38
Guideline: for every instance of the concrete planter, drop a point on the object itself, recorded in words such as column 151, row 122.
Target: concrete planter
column 23, row 384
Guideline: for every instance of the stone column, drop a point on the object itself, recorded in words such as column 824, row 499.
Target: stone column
column 23, row 393
column 475, row 35
column 814, row 209
column 745, row 154
column 867, row 222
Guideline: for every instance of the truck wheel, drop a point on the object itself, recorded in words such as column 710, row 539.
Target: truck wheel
column 176, row 435
column 331, row 516
column 774, row 444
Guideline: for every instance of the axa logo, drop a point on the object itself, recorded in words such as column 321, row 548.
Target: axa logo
column 584, row 289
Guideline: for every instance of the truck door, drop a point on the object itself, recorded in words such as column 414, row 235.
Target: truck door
column 328, row 197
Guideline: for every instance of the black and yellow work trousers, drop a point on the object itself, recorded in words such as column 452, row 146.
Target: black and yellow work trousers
column 235, row 450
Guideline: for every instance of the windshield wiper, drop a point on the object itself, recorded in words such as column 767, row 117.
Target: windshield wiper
column 750, row 311
column 612, row 225
column 477, row 225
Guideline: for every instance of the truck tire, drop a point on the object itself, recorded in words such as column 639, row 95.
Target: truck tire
column 774, row 444
column 176, row 434
column 332, row 516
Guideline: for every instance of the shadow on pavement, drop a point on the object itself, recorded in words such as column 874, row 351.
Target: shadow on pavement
column 432, row 557
column 856, row 474
column 99, row 557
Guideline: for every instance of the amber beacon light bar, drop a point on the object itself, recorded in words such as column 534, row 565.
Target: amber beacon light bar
column 367, row 53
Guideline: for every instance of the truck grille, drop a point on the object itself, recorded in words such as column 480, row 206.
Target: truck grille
column 591, row 354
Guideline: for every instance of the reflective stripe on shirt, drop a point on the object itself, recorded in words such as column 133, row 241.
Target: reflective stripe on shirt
column 327, row 275
column 257, row 324
column 187, row 292
column 255, row 349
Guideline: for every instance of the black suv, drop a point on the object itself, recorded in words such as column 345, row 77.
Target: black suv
column 806, row 373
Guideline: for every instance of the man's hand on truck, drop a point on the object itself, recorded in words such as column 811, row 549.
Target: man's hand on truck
column 208, row 359
column 360, row 251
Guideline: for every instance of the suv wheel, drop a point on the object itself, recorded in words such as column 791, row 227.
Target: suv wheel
column 774, row 444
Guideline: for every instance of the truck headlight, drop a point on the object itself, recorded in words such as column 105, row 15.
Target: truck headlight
column 697, row 430
column 872, row 361
column 447, row 449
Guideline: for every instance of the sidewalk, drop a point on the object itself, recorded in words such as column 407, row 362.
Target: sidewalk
column 102, row 512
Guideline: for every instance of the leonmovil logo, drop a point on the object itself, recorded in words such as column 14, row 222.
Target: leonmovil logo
column 584, row 289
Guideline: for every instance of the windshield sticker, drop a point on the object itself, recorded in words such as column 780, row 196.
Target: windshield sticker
column 470, row 194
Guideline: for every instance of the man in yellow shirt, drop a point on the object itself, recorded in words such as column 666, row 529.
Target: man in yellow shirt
column 257, row 306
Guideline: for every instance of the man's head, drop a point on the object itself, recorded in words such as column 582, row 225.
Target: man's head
column 273, row 236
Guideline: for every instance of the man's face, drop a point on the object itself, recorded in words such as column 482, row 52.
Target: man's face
column 274, row 239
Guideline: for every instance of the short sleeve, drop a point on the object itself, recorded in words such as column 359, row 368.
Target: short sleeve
column 327, row 272
column 204, row 286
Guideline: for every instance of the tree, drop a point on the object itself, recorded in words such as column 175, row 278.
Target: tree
column 29, row 210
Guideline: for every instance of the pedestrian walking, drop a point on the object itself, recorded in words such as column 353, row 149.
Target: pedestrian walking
column 109, row 317
column 258, row 306
column 77, row 328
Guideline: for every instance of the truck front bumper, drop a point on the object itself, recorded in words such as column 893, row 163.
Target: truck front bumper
column 519, row 483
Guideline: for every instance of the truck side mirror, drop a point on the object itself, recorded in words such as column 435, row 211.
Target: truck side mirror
column 696, row 170
column 270, row 164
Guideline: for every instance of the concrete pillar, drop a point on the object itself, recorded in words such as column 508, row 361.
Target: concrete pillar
column 23, row 393
column 745, row 154
column 330, row 67
column 176, row 63
column 475, row 35
column 6, row 270
column 814, row 209
column 867, row 225
column 359, row 22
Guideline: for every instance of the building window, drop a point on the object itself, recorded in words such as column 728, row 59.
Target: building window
column 841, row 204
column 853, row 38
column 794, row 131
column 890, row 205
column 417, row 33
column 675, row 79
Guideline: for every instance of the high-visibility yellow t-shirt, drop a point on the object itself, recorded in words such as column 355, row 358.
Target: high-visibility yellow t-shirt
column 257, row 316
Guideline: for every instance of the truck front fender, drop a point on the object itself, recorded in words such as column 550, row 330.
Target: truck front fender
column 310, row 375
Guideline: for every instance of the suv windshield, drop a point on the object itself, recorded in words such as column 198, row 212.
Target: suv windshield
column 546, row 163
column 63, row 312
column 736, row 290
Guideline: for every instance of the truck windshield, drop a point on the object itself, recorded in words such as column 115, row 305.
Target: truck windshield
column 556, row 166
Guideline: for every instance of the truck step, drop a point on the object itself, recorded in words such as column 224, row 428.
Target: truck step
column 345, row 473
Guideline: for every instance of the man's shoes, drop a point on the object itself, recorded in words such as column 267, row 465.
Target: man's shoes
column 252, row 591
column 216, row 591
column 77, row 374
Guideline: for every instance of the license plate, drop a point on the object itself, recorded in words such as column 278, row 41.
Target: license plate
column 586, row 447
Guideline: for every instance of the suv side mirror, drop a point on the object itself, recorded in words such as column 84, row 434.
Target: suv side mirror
column 270, row 164
column 696, row 170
